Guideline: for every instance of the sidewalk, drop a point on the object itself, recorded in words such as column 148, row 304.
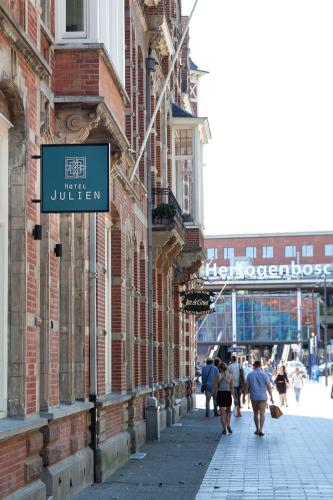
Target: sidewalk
column 294, row 460
column 173, row 469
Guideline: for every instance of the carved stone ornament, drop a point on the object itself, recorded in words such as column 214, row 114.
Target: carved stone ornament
column 152, row 3
column 19, row 40
column 74, row 126
column 160, row 35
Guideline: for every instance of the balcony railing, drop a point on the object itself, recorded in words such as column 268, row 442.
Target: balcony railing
column 165, row 207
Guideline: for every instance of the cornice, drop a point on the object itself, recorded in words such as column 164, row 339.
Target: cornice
column 15, row 34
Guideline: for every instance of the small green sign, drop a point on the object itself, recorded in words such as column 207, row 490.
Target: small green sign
column 75, row 178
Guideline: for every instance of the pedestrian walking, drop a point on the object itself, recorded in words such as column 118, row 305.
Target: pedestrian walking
column 216, row 362
column 246, row 370
column 237, row 374
column 208, row 378
column 297, row 383
column 282, row 384
column 224, row 389
column 257, row 384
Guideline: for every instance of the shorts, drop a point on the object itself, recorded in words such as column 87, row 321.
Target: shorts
column 223, row 399
column 259, row 405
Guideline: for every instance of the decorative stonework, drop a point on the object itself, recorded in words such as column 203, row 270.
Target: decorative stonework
column 74, row 126
column 18, row 38
column 160, row 35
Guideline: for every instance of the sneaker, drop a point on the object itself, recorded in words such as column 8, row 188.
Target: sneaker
column 260, row 433
column 224, row 431
column 229, row 429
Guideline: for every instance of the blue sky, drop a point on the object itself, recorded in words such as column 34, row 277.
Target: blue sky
column 269, row 100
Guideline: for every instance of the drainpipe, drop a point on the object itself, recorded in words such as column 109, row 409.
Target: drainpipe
column 92, row 343
column 150, row 67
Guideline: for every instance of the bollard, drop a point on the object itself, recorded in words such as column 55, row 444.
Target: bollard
column 153, row 421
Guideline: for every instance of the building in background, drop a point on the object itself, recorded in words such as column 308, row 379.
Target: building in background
column 73, row 72
column 274, row 286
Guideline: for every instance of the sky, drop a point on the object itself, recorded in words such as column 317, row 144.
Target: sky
column 269, row 101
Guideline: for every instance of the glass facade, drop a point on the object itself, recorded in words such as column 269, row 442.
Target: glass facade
column 269, row 318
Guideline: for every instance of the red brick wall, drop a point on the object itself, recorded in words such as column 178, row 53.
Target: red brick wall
column 278, row 242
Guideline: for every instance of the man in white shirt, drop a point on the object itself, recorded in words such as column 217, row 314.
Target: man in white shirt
column 237, row 374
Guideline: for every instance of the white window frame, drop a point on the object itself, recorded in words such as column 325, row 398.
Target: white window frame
column 108, row 310
column 93, row 15
column 227, row 251
column 214, row 252
column 328, row 253
column 265, row 252
column 305, row 250
column 293, row 253
column 251, row 252
column 5, row 125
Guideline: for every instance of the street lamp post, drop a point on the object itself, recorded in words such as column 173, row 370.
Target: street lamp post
column 325, row 330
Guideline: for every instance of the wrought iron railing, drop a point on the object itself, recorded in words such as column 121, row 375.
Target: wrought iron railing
column 165, row 206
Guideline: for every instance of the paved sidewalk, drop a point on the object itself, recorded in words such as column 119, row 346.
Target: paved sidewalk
column 294, row 460
column 173, row 469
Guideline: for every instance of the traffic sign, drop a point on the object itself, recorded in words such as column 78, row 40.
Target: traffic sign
column 235, row 349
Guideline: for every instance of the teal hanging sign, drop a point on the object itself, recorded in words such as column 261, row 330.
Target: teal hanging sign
column 75, row 178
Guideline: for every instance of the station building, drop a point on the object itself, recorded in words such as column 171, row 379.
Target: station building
column 74, row 371
column 272, row 290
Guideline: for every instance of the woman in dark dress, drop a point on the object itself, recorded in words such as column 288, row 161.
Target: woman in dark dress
column 282, row 384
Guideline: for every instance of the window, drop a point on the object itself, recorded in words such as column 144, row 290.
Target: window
column 75, row 16
column 228, row 253
column 184, row 142
column 211, row 253
column 251, row 252
column 184, row 168
column 45, row 14
column 329, row 250
column 267, row 252
column 290, row 251
column 307, row 250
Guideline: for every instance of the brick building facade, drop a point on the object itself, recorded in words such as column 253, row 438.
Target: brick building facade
column 74, row 72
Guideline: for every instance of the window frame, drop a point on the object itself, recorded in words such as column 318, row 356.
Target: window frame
column 265, row 253
column 180, row 171
column 293, row 253
column 215, row 250
column 306, row 247
column 326, row 253
column 226, row 251
column 253, row 252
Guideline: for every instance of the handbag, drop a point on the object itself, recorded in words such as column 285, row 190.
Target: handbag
column 203, row 386
column 275, row 411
